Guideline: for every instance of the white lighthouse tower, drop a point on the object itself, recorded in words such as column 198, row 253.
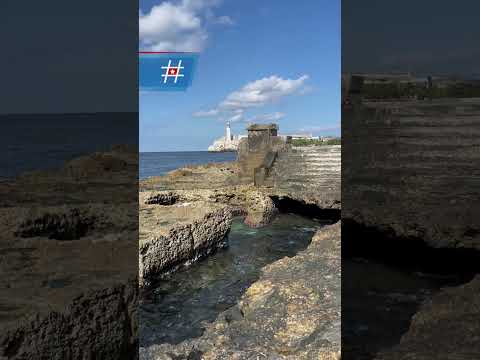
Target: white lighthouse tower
column 228, row 135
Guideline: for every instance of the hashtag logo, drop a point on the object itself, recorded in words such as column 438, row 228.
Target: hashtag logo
column 172, row 71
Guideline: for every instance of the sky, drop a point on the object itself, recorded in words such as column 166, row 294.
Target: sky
column 438, row 37
column 260, row 61
column 68, row 56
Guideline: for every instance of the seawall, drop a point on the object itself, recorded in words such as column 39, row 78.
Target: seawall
column 413, row 169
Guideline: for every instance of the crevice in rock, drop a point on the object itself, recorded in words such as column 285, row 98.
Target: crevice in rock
column 72, row 225
column 385, row 278
column 14, row 345
column 312, row 211
column 163, row 199
column 409, row 253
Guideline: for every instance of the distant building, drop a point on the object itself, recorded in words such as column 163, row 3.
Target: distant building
column 229, row 142
column 300, row 136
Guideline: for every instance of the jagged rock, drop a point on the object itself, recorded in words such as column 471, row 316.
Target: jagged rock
column 171, row 236
column 445, row 327
column 291, row 312
column 98, row 324
column 260, row 209
column 70, row 299
column 168, row 198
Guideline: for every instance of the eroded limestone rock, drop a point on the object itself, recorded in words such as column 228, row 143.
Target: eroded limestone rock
column 171, row 236
column 74, row 299
column 291, row 312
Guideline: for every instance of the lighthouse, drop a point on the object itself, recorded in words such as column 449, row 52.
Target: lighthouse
column 228, row 134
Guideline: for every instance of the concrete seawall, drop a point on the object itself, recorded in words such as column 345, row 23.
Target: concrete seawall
column 312, row 168
column 414, row 168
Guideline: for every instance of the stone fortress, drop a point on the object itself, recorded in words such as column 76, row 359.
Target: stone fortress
column 270, row 160
column 230, row 142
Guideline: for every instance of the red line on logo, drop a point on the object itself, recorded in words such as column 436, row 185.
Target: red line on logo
column 165, row 52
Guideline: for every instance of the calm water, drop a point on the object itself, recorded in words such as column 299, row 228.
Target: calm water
column 159, row 163
column 176, row 309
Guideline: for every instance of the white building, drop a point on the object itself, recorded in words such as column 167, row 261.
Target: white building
column 229, row 142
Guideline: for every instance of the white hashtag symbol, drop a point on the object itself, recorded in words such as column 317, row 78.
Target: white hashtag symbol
column 172, row 71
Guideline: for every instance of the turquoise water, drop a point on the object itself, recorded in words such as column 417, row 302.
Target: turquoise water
column 177, row 309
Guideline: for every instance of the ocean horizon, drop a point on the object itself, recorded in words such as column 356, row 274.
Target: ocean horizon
column 161, row 162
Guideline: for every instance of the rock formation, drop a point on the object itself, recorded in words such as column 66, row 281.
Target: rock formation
column 287, row 314
column 69, row 285
column 445, row 327
column 293, row 310
column 173, row 235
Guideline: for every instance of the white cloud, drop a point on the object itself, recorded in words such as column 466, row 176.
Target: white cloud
column 255, row 94
column 224, row 20
column 178, row 26
column 263, row 91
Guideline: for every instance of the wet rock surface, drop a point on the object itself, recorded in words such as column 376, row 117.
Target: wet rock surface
column 68, row 285
column 291, row 312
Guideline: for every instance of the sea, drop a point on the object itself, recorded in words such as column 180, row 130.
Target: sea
column 160, row 163
column 33, row 142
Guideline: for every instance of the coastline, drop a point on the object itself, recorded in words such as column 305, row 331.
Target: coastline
column 159, row 163
column 220, row 186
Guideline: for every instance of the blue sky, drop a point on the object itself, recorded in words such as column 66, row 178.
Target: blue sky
column 293, row 46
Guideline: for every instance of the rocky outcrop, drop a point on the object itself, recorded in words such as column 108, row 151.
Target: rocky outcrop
column 172, row 236
column 209, row 176
column 69, row 285
column 246, row 200
column 98, row 324
column 222, row 183
column 259, row 208
column 291, row 312
column 445, row 327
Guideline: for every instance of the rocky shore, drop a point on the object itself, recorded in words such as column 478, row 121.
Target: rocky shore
column 69, row 285
column 292, row 311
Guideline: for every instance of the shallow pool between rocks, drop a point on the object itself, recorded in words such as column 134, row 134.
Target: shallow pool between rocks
column 177, row 309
